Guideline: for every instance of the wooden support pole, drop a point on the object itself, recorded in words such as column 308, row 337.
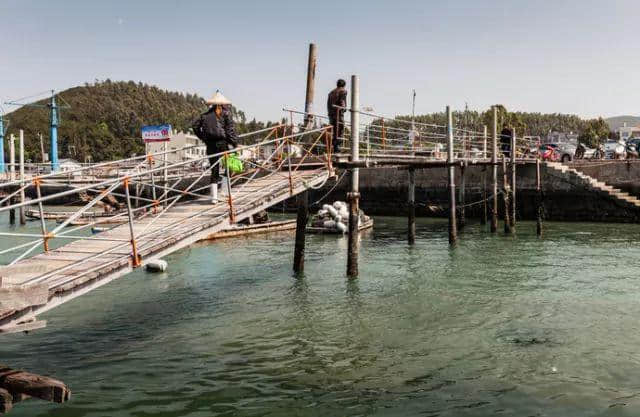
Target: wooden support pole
column 462, row 197
column 483, row 215
column 134, row 247
column 453, row 230
column 23, row 220
column 539, row 209
column 20, row 384
column 301, row 226
column 494, row 176
column 512, row 198
column 6, row 401
column 411, row 203
column 505, row 195
column 311, row 82
column 12, row 174
column 354, row 195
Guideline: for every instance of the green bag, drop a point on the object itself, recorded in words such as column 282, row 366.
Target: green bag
column 235, row 164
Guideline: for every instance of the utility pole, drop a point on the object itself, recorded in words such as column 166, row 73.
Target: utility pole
column 54, row 134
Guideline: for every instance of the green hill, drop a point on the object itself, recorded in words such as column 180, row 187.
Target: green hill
column 105, row 118
column 619, row 121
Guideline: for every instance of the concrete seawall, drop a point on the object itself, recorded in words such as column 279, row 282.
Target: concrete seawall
column 566, row 197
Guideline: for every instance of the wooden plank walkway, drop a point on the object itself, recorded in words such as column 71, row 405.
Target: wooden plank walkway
column 85, row 264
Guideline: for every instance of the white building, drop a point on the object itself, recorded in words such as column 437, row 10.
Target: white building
column 188, row 146
column 67, row 165
column 626, row 132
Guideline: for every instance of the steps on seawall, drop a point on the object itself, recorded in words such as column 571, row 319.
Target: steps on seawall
column 612, row 192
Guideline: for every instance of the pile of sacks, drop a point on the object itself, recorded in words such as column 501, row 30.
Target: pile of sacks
column 334, row 217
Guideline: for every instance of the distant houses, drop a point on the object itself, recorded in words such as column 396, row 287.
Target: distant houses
column 625, row 132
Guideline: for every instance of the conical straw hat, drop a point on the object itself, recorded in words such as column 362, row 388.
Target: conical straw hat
column 218, row 98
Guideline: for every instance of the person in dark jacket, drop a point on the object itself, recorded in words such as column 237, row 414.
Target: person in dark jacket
column 216, row 129
column 337, row 97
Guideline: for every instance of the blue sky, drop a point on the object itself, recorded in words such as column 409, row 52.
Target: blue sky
column 564, row 56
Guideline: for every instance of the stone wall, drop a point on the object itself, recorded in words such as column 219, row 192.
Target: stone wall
column 566, row 196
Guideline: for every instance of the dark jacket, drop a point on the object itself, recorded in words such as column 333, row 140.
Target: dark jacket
column 211, row 129
column 338, row 97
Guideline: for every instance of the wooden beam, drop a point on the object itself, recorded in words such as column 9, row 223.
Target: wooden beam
column 6, row 401
column 20, row 383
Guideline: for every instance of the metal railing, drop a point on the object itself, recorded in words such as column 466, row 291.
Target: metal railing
column 164, row 185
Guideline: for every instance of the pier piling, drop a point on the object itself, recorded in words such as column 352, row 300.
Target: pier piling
column 411, row 203
column 505, row 195
column 12, row 174
column 512, row 198
column 301, row 225
column 23, row 220
column 354, row 195
column 483, row 214
column 494, row 173
column 538, row 199
column 453, row 230
column 462, row 196
column 311, row 82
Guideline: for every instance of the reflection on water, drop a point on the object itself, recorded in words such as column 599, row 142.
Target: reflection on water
column 498, row 326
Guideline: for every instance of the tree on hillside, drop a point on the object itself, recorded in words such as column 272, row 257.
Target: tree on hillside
column 105, row 118
column 596, row 131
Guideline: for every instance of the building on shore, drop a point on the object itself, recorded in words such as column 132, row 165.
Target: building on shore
column 627, row 132
column 187, row 145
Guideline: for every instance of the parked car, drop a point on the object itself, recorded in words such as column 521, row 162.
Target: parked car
column 610, row 149
column 565, row 151
column 584, row 152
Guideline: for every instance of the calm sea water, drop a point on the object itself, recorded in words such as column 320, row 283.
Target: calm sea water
column 514, row 326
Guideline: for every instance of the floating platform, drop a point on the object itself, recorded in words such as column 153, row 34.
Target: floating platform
column 252, row 229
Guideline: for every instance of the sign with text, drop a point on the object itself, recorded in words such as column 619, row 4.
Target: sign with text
column 161, row 133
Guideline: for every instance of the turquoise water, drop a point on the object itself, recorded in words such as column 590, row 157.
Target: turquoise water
column 513, row 326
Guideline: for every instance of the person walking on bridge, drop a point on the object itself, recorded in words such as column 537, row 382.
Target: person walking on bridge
column 216, row 129
column 337, row 97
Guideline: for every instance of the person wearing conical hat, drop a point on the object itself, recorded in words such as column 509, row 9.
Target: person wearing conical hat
column 216, row 129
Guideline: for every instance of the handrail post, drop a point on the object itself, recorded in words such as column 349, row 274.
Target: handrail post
column 289, row 166
column 166, row 172
column 134, row 249
column 232, row 217
column 43, row 225
column 329, row 151
column 153, row 184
